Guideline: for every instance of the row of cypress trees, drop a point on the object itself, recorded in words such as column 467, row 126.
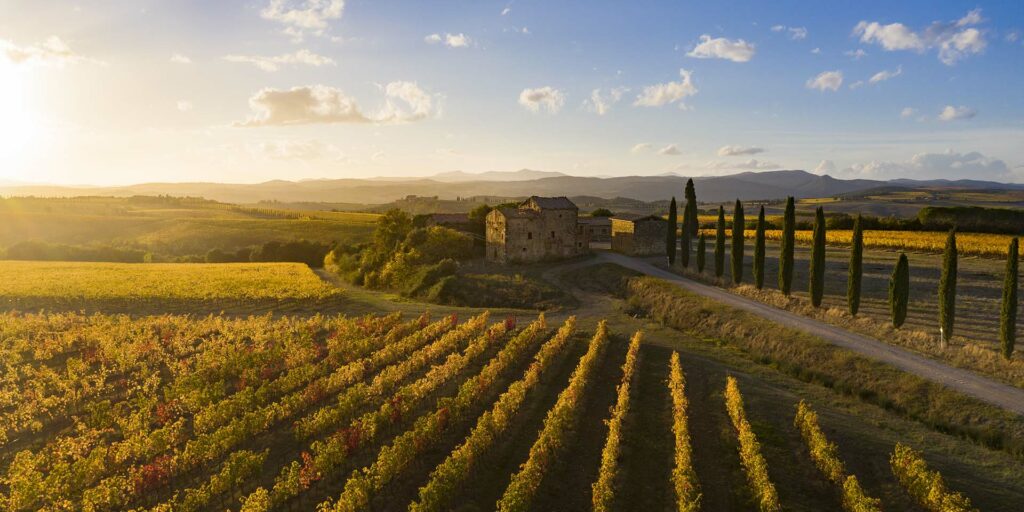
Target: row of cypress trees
column 899, row 282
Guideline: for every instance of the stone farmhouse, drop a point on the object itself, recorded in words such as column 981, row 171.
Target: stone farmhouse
column 639, row 235
column 538, row 229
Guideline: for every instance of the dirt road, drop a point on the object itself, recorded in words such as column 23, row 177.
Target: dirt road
column 969, row 383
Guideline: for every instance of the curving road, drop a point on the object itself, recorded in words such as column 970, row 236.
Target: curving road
column 996, row 393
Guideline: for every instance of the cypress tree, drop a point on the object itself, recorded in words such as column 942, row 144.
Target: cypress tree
column 720, row 243
column 691, row 207
column 1008, row 316
column 947, row 288
column 788, row 244
column 684, row 254
column 759, row 251
column 670, row 233
column 856, row 268
column 701, row 253
column 817, row 271
column 738, row 225
column 899, row 291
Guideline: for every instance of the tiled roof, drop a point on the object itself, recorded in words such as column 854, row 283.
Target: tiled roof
column 553, row 203
column 515, row 213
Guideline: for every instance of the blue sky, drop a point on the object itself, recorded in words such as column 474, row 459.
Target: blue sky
column 119, row 92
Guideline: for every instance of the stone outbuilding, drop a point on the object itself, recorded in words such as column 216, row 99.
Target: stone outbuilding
column 599, row 229
column 538, row 229
column 639, row 235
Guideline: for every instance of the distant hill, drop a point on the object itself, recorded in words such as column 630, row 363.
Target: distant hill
column 745, row 186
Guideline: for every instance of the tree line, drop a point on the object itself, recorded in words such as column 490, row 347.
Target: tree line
column 678, row 245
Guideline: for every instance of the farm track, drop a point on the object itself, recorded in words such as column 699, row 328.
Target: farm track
column 982, row 388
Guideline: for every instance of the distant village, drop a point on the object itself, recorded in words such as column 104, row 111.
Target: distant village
column 551, row 228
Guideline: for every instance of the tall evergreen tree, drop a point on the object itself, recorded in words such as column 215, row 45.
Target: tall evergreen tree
column 817, row 271
column 1008, row 316
column 720, row 243
column 738, row 225
column 788, row 245
column 702, row 253
column 947, row 288
column 899, row 291
column 856, row 268
column 670, row 233
column 684, row 249
column 691, row 207
column 759, row 251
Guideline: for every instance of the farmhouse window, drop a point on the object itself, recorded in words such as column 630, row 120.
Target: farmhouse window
column 552, row 234
column 529, row 236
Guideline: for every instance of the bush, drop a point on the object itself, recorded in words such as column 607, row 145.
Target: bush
column 44, row 251
column 972, row 219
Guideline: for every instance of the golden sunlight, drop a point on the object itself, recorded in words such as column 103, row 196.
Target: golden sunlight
column 19, row 123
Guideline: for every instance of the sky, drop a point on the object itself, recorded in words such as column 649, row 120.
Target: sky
column 110, row 92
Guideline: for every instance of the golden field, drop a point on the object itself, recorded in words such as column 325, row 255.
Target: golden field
column 976, row 244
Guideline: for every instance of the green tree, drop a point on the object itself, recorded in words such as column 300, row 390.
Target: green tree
column 947, row 288
column 899, row 291
column 670, row 232
column 602, row 212
column 788, row 245
column 392, row 228
column 1008, row 316
column 720, row 243
column 817, row 271
column 856, row 267
column 738, row 223
column 691, row 207
column 759, row 251
column 684, row 249
column 701, row 252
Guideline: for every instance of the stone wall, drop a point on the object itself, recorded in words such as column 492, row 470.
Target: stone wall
column 641, row 237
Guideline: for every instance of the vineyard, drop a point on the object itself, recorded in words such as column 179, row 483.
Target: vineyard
column 176, row 413
column 975, row 244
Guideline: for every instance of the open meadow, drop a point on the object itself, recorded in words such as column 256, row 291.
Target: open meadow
column 169, row 227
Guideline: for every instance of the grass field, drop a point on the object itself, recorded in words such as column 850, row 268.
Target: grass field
column 161, row 287
column 170, row 226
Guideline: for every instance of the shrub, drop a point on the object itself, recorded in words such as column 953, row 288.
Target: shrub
column 670, row 233
column 684, row 477
column 817, row 271
column 825, row 455
column 856, row 271
column 603, row 496
column 947, row 289
column 720, row 243
column 754, row 465
column 737, row 243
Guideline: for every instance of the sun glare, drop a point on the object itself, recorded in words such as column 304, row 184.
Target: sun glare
column 19, row 124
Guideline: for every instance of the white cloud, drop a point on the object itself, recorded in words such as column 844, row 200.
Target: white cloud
column 600, row 103
column 274, row 63
column 826, row 81
column 303, row 105
column 795, row 33
column 670, row 150
column 542, row 98
column 669, row 92
column 857, row 85
column 459, row 40
column 184, row 106
column 856, row 54
column 178, row 58
column 722, row 48
column 749, row 165
column 641, row 148
column 944, row 165
column 300, row 16
column 296, row 150
column 908, row 112
column 951, row 113
column 739, row 150
column 954, row 40
column 321, row 104
column 506, row 11
column 885, row 74
column 420, row 104
column 1012, row 36
column 825, row 167
column 54, row 51
column 816, row 51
